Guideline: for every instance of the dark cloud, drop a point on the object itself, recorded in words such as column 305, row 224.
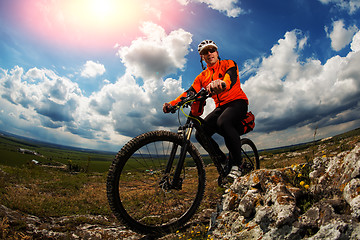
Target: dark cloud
column 103, row 106
column 46, row 122
column 56, row 112
column 83, row 132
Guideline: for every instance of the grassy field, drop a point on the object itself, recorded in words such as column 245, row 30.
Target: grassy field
column 65, row 183
column 301, row 153
column 69, row 182
column 88, row 161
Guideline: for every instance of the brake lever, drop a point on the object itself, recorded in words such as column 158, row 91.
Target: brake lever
column 186, row 101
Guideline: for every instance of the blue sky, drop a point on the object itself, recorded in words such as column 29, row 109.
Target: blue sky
column 94, row 73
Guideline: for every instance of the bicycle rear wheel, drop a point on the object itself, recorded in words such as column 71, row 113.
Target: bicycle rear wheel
column 136, row 191
column 250, row 155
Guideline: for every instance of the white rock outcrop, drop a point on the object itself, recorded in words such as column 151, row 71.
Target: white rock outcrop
column 266, row 204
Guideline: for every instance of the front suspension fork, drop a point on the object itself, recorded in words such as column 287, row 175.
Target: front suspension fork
column 177, row 180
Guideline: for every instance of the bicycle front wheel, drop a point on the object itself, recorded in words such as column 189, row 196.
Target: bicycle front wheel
column 250, row 155
column 138, row 188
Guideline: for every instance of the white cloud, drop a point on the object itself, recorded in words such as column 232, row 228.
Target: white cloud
column 131, row 109
column 349, row 5
column 229, row 7
column 115, row 112
column 52, row 96
column 34, row 74
column 340, row 36
column 287, row 93
column 51, row 108
column 92, row 69
column 157, row 54
column 355, row 44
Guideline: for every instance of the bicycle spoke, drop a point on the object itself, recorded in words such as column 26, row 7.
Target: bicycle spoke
column 145, row 190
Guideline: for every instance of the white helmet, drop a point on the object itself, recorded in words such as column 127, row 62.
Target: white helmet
column 206, row 43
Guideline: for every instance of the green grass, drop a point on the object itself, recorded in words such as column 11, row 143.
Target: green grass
column 89, row 161
column 15, row 159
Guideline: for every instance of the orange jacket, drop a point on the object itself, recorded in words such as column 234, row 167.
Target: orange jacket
column 225, row 70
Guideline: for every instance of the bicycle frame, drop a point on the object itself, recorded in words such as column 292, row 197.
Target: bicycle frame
column 191, row 123
column 186, row 131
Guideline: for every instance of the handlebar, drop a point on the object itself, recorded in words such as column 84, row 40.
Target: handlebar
column 187, row 101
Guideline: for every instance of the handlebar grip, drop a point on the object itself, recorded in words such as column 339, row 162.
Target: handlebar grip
column 167, row 109
column 171, row 109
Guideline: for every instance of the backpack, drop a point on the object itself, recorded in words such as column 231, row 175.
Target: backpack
column 248, row 122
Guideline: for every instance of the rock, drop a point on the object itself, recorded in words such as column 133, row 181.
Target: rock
column 352, row 196
column 248, row 202
column 337, row 230
column 266, row 205
column 53, row 228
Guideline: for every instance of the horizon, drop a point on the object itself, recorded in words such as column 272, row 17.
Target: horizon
column 94, row 74
column 7, row 134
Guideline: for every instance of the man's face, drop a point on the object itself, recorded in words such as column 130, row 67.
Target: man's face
column 210, row 55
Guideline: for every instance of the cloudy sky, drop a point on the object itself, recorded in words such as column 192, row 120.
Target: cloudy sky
column 94, row 73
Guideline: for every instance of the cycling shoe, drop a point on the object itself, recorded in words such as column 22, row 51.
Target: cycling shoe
column 235, row 172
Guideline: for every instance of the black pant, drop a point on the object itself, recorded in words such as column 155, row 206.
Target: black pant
column 226, row 121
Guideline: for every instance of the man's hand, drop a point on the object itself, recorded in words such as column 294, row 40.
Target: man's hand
column 216, row 86
column 166, row 107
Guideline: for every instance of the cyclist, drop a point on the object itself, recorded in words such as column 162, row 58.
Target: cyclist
column 230, row 100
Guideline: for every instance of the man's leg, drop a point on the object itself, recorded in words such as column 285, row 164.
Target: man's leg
column 210, row 127
column 228, row 123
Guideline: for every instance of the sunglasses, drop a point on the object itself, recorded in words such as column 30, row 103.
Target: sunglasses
column 206, row 51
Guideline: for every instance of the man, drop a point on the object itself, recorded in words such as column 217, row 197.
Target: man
column 221, row 79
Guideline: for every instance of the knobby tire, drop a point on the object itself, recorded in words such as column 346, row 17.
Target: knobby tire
column 250, row 155
column 135, row 196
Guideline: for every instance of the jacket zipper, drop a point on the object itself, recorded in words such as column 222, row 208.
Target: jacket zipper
column 212, row 79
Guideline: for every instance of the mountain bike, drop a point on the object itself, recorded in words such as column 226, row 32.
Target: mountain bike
column 157, row 180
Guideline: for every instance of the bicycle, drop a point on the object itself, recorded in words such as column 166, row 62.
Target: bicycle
column 157, row 180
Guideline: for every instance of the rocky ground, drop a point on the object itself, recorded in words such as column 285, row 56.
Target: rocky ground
column 318, row 200
column 313, row 199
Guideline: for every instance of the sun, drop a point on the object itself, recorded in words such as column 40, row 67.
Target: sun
column 101, row 8
column 112, row 11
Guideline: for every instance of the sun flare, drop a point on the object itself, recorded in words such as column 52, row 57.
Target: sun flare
column 102, row 13
column 93, row 23
column 101, row 7
column 120, row 11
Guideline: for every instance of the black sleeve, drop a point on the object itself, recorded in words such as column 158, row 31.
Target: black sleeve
column 233, row 74
column 190, row 91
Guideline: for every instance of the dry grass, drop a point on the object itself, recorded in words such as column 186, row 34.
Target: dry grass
column 50, row 192
column 7, row 232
